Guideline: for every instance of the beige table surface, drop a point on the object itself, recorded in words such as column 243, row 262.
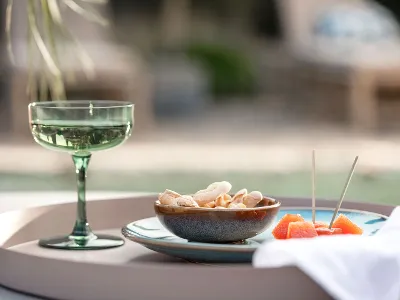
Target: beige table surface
column 20, row 200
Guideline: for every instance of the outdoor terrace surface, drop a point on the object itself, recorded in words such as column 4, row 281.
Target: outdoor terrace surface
column 257, row 150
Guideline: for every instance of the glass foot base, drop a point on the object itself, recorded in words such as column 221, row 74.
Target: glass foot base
column 94, row 242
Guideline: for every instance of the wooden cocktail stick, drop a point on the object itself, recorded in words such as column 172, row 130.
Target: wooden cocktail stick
column 344, row 191
column 313, row 186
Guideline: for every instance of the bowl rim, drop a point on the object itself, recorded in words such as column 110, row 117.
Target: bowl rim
column 200, row 209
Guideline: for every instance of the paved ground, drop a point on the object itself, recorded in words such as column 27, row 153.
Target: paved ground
column 270, row 154
column 225, row 139
column 254, row 150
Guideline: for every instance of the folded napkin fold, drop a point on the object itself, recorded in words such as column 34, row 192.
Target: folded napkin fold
column 348, row 267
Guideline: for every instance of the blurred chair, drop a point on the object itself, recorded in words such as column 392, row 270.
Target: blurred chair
column 119, row 74
column 362, row 69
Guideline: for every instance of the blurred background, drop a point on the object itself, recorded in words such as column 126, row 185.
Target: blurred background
column 226, row 90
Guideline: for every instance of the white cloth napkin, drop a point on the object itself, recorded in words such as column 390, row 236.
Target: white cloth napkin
column 348, row 267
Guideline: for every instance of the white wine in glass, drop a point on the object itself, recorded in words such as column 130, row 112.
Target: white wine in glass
column 80, row 128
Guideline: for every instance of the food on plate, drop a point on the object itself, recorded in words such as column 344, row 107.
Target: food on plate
column 301, row 229
column 347, row 226
column 252, row 199
column 222, row 200
column 237, row 205
column 186, row 201
column 322, row 228
column 327, row 231
column 294, row 226
column 281, row 229
column 216, row 195
column 318, row 224
column 211, row 193
column 169, row 197
column 210, row 205
column 239, row 196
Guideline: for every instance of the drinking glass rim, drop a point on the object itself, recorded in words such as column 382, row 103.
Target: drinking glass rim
column 50, row 104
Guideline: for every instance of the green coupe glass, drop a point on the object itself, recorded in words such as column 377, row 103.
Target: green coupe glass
column 81, row 128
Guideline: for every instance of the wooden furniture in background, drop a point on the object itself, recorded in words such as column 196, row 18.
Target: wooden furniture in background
column 361, row 80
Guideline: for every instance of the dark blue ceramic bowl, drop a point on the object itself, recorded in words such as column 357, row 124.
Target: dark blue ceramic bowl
column 213, row 225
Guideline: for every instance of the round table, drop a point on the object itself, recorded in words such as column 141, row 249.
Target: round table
column 19, row 200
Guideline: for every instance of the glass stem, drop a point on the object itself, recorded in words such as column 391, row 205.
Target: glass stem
column 81, row 228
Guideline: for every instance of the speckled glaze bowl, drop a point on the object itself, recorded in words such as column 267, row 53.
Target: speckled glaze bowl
column 212, row 225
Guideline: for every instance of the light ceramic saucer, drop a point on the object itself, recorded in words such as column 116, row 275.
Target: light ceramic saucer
column 151, row 234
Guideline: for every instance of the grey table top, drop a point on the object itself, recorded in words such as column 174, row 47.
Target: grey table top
column 19, row 200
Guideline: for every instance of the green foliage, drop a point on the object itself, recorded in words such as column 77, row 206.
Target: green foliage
column 45, row 26
column 230, row 71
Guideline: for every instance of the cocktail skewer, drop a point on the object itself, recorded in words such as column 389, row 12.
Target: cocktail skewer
column 344, row 191
column 313, row 186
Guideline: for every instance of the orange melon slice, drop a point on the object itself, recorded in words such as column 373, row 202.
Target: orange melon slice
column 318, row 224
column 301, row 229
column 347, row 226
column 327, row 231
column 281, row 229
